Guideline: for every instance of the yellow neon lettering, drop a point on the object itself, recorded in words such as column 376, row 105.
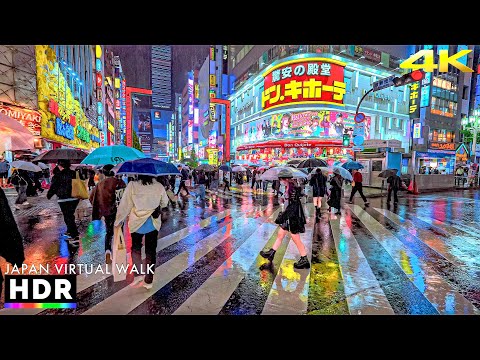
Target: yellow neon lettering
column 428, row 65
column 445, row 60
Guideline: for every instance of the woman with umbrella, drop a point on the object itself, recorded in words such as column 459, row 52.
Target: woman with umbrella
column 62, row 187
column 335, row 191
column 141, row 203
column 291, row 220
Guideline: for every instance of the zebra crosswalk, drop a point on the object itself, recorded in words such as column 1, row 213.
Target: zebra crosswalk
column 366, row 261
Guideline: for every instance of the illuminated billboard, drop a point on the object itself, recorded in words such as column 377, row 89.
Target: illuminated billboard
column 304, row 81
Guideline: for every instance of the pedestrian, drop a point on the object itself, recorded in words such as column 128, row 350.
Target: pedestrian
column 91, row 179
column 254, row 176
column 258, row 181
column 276, row 187
column 318, row 182
column 4, row 166
column 194, row 176
column 202, row 180
column 226, row 182
column 215, row 178
column 265, row 185
column 62, row 187
column 103, row 200
column 142, row 203
column 20, row 180
column 172, row 181
column 395, row 182
column 249, row 174
column 11, row 241
column 291, row 220
column 31, row 187
column 184, row 178
column 335, row 192
column 357, row 186
column 207, row 177
column 36, row 180
column 46, row 175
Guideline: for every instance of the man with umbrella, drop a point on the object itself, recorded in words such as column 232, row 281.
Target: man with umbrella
column 395, row 182
column 103, row 200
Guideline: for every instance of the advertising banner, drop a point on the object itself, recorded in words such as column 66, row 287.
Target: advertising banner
column 304, row 81
column 323, row 124
column 142, row 124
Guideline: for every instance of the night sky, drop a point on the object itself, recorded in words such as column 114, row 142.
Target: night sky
column 184, row 59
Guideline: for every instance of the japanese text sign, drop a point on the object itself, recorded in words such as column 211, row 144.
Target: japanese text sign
column 414, row 100
column 304, row 81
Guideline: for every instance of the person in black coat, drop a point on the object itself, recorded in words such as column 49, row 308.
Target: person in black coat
column 11, row 242
column 319, row 184
column 62, row 187
column 336, row 193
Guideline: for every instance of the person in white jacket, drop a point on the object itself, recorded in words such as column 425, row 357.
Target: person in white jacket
column 139, row 201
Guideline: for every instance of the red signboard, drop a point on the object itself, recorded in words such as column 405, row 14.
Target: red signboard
column 290, row 144
column 53, row 107
column 99, row 80
column 30, row 119
column 304, row 81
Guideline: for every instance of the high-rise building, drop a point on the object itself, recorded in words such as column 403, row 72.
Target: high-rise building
column 161, row 66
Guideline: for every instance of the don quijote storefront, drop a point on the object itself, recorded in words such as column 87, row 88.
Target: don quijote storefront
column 299, row 107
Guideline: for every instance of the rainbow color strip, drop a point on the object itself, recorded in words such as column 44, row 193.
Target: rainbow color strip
column 40, row 305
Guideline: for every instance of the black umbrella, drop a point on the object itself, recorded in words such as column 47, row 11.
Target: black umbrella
column 294, row 161
column 312, row 163
column 52, row 156
column 387, row 173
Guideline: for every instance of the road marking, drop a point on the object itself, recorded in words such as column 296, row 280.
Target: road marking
column 363, row 292
column 127, row 299
column 438, row 292
column 212, row 295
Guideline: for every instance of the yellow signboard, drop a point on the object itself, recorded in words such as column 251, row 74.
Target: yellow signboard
column 213, row 80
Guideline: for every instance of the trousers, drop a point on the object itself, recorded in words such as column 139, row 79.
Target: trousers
column 150, row 251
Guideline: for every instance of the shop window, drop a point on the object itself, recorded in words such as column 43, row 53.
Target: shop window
column 377, row 165
column 377, row 123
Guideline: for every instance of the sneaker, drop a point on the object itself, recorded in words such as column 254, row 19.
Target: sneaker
column 26, row 203
column 137, row 280
column 147, row 286
column 303, row 263
column 16, row 207
column 108, row 257
column 270, row 254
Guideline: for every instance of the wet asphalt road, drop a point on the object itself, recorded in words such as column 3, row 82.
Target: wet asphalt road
column 418, row 257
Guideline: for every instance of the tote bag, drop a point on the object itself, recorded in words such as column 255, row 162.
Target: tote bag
column 79, row 188
column 119, row 256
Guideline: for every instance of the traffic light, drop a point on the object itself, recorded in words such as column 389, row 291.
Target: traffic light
column 346, row 140
column 411, row 77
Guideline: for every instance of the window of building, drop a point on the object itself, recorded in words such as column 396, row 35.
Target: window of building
column 465, row 92
column 377, row 123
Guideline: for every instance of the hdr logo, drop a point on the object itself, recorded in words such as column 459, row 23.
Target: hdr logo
column 41, row 292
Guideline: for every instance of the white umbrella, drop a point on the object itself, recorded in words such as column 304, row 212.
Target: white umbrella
column 25, row 165
column 272, row 174
column 43, row 166
column 238, row 169
column 337, row 170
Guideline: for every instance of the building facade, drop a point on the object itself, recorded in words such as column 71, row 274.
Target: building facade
column 300, row 101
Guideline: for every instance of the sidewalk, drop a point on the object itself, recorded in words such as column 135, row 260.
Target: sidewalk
column 39, row 205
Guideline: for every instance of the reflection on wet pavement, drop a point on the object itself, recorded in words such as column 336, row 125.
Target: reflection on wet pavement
column 419, row 257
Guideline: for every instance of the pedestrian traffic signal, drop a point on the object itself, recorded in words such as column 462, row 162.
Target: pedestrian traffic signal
column 411, row 77
column 346, row 140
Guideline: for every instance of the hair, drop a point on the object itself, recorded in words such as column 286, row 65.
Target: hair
column 107, row 170
column 145, row 179
column 64, row 163
column 319, row 171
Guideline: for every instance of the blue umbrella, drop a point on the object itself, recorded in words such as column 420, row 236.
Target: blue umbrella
column 352, row 165
column 114, row 154
column 225, row 168
column 146, row 166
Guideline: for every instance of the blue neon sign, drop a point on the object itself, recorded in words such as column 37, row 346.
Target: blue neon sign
column 64, row 129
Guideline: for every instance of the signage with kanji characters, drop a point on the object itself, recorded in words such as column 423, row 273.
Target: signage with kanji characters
column 414, row 100
column 417, row 130
column 304, row 81
column 30, row 119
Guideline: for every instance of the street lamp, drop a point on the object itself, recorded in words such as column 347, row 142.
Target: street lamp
column 472, row 123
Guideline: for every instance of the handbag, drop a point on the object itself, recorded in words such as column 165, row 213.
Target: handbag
column 119, row 256
column 79, row 188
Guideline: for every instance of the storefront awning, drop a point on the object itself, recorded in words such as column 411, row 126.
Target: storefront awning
column 301, row 143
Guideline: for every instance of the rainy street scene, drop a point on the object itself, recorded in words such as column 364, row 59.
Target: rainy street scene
column 239, row 180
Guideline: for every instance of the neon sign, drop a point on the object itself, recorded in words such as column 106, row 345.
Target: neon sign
column 64, row 129
column 304, row 81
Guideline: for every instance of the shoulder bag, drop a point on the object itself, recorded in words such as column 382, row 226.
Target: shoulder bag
column 79, row 188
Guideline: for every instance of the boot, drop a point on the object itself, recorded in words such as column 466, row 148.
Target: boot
column 303, row 263
column 268, row 254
